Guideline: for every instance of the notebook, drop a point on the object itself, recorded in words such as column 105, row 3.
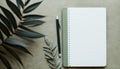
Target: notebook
column 84, row 37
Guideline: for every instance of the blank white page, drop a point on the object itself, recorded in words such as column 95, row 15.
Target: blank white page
column 86, row 37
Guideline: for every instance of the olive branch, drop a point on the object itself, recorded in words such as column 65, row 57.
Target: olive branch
column 51, row 55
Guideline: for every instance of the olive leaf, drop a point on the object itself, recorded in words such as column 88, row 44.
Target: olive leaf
column 32, row 17
column 20, row 3
column 51, row 55
column 4, row 29
column 10, row 26
column 5, row 62
column 33, row 22
column 27, row 2
column 6, row 22
column 9, row 16
column 32, row 7
column 14, row 8
column 28, row 34
column 13, row 53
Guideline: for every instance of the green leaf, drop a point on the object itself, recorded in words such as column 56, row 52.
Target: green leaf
column 51, row 65
column 51, row 62
column 29, row 30
column 55, row 51
column 32, row 7
column 25, row 28
column 4, row 29
column 14, row 42
column 25, row 38
column 21, row 48
column 17, row 44
column 28, row 34
column 47, row 50
column 13, row 53
column 54, row 47
column 27, row 2
column 47, row 47
column 5, row 62
column 49, row 55
column 47, row 41
column 20, row 3
column 32, row 17
column 14, row 8
column 33, row 22
column 9, row 16
column 6, row 22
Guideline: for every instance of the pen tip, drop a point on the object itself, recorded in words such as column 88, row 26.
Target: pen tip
column 57, row 17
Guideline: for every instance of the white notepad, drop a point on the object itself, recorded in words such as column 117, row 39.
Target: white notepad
column 84, row 37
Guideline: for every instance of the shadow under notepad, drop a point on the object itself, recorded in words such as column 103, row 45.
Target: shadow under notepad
column 85, row 68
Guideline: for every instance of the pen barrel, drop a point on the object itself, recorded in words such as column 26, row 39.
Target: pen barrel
column 58, row 35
